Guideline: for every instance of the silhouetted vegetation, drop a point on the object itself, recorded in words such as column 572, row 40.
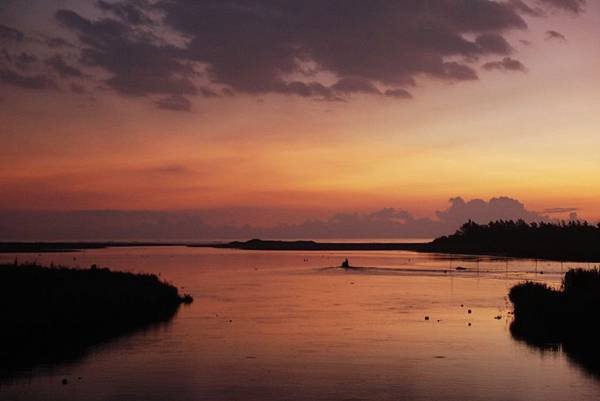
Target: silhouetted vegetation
column 574, row 240
column 568, row 317
column 53, row 313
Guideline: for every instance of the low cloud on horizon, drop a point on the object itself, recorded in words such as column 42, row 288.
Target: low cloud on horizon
column 164, row 225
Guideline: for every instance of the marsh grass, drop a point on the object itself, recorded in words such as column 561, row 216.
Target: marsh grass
column 53, row 313
column 567, row 317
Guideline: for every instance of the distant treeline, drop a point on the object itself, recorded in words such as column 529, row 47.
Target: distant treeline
column 567, row 241
column 572, row 241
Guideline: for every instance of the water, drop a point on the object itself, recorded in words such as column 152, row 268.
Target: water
column 288, row 326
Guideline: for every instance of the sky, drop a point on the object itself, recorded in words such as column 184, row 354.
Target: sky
column 268, row 113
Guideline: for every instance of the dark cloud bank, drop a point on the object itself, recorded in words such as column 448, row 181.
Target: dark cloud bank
column 149, row 225
column 321, row 49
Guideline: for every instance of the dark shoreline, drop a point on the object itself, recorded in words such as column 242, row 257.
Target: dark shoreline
column 268, row 245
column 572, row 241
column 435, row 246
column 308, row 246
column 75, row 246
column 276, row 245
column 551, row 319
column 54, row 314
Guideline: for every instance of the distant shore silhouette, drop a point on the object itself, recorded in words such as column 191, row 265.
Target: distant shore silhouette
column 55, row 246
column 566, row 241
column 574, row 241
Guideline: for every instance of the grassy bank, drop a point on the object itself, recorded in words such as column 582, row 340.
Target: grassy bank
column 565, row 317
column 56, row 312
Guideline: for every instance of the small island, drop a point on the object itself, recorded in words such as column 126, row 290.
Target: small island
column 567, row 317
column 279, row 245
column 56, row 313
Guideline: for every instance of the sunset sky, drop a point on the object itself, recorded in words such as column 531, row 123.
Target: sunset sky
column 300, row 108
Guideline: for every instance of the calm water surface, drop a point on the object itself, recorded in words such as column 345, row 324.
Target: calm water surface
column 289, row 326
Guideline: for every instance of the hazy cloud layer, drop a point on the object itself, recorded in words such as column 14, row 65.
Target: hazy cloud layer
column 561, row 210
column 62, row 68
column 480, row 211
column 14, row 78
column 575, row 6
column 8, row 33
column 320, row 49
column 385, row 223
column 174, row 103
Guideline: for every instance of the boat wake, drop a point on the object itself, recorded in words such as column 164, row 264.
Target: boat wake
column 424, row 271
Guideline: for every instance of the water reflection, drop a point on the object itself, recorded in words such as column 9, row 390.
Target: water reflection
column 61, row 354
column 582, row 351
column 283, row 326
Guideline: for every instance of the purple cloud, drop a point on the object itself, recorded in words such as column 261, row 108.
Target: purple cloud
column 555, row 35
column 574, row 6
column 10, row 34
column 37, row 81
column 174, row 103
column 506, row 64
column 320, row 49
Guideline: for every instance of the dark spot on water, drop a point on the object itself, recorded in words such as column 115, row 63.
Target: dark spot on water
column 64, row 381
